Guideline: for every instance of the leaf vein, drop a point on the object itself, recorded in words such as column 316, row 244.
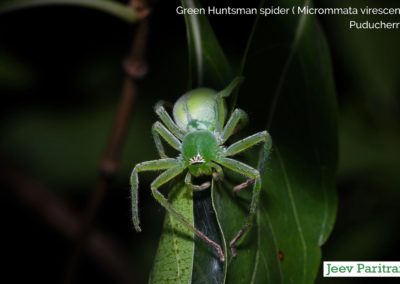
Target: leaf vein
column 275, row 243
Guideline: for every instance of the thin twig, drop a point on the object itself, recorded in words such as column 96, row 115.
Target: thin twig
column 135, row 68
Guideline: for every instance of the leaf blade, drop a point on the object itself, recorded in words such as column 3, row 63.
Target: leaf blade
column 174, row 258
column 297, row 213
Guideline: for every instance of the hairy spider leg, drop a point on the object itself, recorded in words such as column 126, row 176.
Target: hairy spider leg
column 254, row 174
column 155, row 165
column 194, row 187
column 162, row 179
column 159, row 130
column 168, row 121
column 238, row 118
column 250, row 141
column 251, row 173
column 220, row 106
column 247, row 143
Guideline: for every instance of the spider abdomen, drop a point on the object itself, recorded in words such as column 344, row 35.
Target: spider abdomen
column 196, row 110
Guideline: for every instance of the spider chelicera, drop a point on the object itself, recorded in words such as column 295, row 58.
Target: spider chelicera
column 198, row 132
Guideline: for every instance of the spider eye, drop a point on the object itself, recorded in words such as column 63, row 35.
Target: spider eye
column 198, row 159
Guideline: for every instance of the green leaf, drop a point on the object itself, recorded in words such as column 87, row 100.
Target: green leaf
column 288, row 73
column 208, row 64
column 174, row 259
column 116, row 9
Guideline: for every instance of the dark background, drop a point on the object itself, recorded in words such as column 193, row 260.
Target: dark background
column 60, row 83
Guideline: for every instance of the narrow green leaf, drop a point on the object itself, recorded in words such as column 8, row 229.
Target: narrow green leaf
column 114, row 8
column 208, row 64
column 174, row 260
column 288, row 73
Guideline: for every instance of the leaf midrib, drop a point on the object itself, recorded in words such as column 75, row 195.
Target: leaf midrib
column 175, row 249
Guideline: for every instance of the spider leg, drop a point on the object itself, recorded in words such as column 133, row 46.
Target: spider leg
column 238, row 118
column 155, row 165
column 243, row 185
column 158, row 131
column 162, row 179
column 254, row 175
column 168, row 121
column 248, row 142
column 219, row 173
column 194, row 187
column 220, row 106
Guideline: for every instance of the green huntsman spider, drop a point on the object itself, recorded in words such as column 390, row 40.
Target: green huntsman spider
column 198, row 132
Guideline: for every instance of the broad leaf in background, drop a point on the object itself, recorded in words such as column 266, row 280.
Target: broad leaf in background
column 119, row 10
column 288, row 71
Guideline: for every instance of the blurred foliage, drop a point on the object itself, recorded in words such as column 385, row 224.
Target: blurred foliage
column 370, row 95
column 60, row 88
column 367, row 69
column 14, row 74
column 63, row 149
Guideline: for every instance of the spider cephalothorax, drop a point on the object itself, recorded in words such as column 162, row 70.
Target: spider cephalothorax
column 199, row 148
column 198, row 132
